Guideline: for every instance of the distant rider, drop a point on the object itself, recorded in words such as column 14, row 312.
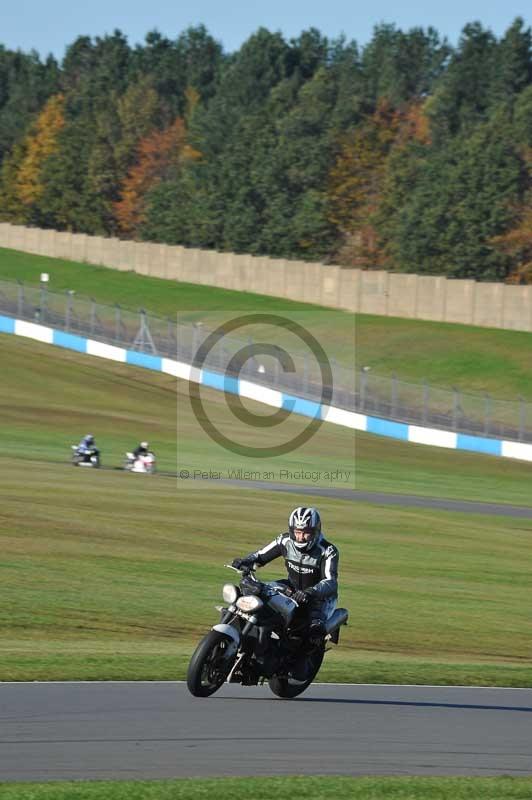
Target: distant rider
column 312, row 565
column 142, row 450
column 86, row 445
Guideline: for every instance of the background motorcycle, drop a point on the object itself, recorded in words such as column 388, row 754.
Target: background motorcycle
column 261, row 636
column 90, row 458
column 143, row 463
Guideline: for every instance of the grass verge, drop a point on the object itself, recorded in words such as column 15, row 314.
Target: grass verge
column 99, row 567
column 309, row 788
column 51, row 397
column 475, row 359
column 106, row 575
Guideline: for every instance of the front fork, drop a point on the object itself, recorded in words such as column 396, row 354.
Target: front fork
column 231, row 625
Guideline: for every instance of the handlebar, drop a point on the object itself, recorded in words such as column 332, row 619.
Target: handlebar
column 287, row 590
column 244, row 571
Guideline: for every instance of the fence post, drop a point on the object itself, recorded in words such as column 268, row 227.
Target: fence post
column 68, row 311
column 276, row 372
column 487, row 413
column 522, row 414
column 425, row 401
column 335, row 369
column 456, row 405
column 394, row 395
column 168, row 335
column 42, row 315
column 363, row 387
column 92, row 315
column 117, row 322
column 195, row 339
column 20, row 299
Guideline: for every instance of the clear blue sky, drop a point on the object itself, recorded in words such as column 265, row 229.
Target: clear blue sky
column 49, row 25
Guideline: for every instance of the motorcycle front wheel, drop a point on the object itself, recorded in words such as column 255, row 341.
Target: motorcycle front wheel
column 210, row 664
column 288, row 687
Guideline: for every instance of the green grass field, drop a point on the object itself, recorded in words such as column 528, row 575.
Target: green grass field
column 315, row 788
column 52, row 397
column 99, row 567
column 475, row 359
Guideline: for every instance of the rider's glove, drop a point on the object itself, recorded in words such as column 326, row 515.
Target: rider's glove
column 300, row 597
column 243, row 563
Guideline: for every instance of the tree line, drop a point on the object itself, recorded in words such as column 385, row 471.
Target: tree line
column 406, row 154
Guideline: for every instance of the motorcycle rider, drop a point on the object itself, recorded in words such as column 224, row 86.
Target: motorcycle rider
column 87, row 445
column 312, row 565
column 142, row 450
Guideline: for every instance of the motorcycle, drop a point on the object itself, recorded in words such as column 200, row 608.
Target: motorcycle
column 262, row 637
column 89, row 458
column 144, row 463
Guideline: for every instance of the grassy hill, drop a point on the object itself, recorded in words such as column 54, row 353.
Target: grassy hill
column 475, row 359
column 112, row 575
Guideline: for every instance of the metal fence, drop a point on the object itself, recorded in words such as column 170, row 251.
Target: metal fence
column 354, row 390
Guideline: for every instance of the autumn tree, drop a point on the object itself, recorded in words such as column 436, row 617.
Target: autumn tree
column 157, row 154
column 26, row 83
column 355, row 184
column 444, row 205
column 516, row 241
column 139, row 112
column 41, row 142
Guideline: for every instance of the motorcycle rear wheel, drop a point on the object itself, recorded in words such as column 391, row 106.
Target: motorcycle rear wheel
column 287, row 688
column 209, row 665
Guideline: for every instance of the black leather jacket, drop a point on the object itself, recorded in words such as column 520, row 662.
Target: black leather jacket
column 316, row 568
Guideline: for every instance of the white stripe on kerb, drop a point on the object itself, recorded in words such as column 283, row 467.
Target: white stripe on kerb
column 517, row 450
column 33, row 331
column 188, row 373
column 106, row 351
column 431, row 436
column 349, row 419
column 181, row 370
column 254, row 391
column 169, row 366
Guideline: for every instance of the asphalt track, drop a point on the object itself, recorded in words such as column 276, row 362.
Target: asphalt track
column 383, row 498
column 139, row 730
column 355, row 495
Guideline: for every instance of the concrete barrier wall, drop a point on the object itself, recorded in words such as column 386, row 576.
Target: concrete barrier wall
column 493, row 305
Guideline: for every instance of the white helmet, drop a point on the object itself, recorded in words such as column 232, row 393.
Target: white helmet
column 144, row 445
column 307, row 518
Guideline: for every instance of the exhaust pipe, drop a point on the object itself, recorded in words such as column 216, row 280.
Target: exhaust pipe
column 339, row 617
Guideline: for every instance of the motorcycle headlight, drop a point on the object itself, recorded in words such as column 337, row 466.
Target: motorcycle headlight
column 229, row 593
column 249, row 603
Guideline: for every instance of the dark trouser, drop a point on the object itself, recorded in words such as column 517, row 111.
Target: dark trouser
column 317, row 611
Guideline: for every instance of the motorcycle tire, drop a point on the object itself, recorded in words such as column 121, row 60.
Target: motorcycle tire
column 208, row 669
column 287, row 688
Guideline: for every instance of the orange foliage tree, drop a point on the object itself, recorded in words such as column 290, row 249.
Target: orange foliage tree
column 356, row 180
column 40, row 143
column 517, row 241
column 158, row 154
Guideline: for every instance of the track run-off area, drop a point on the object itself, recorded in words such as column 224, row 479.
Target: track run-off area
column 149, row 730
